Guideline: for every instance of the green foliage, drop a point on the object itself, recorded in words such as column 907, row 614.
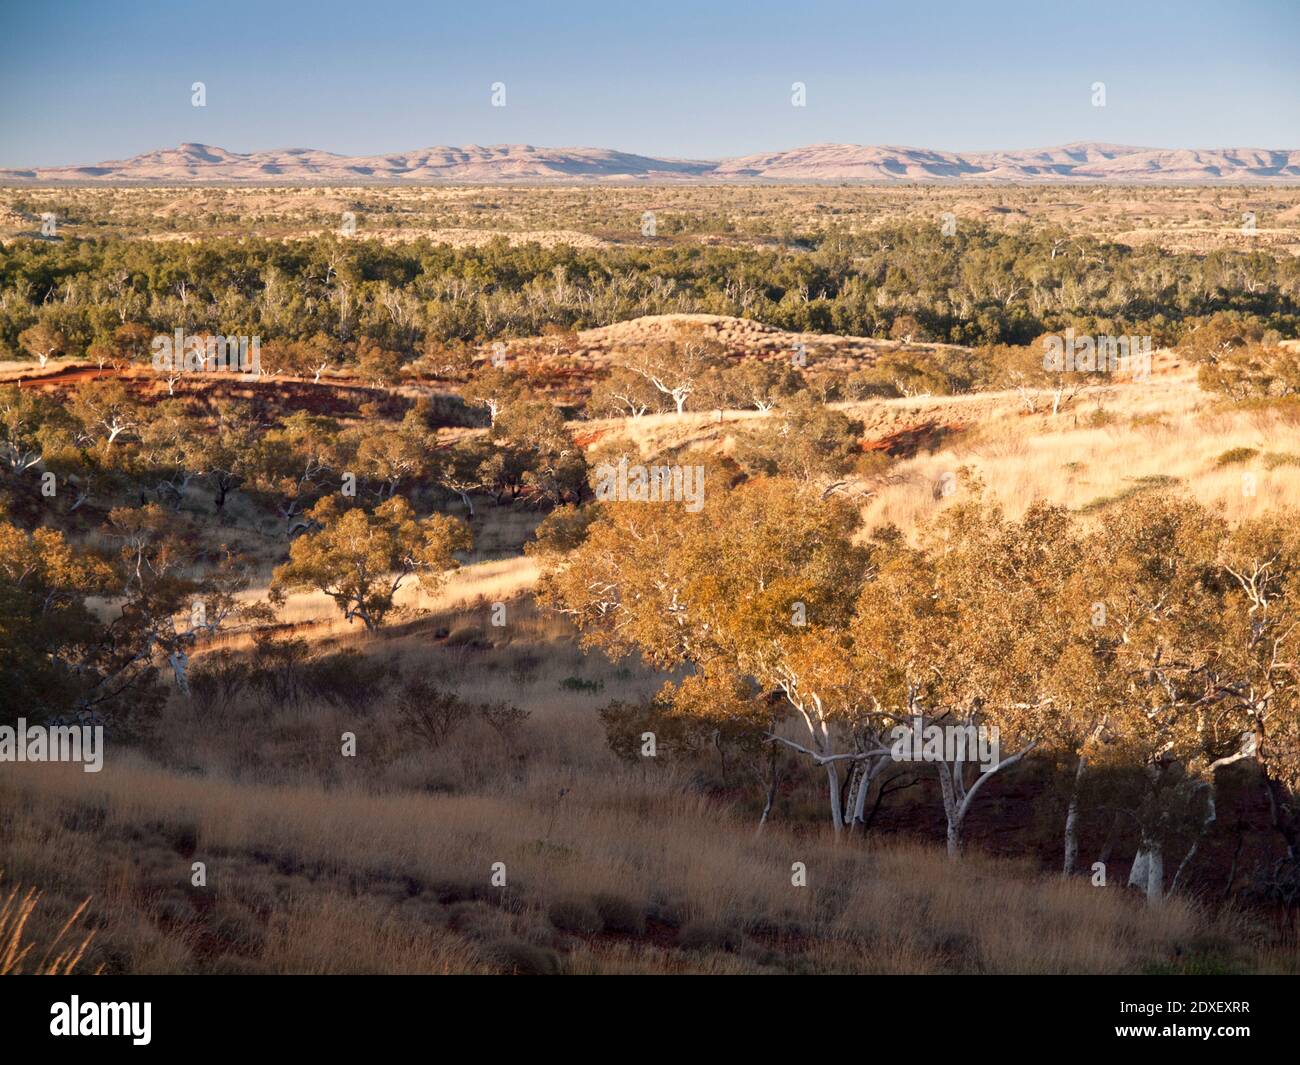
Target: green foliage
column 562, row 530
column 1236, row 456
column 1137, row 486
column 983, row 286
column 931, row 371
column 805, row 440
column 361, row 559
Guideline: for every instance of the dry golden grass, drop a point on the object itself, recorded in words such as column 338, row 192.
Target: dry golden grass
column 480, row 583
column 314, row 936
column 305, row 854
column 1109, row 443
column 60, row 957
column 1115, row 439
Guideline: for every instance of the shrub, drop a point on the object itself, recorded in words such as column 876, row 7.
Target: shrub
column 1235, row 456
column 524, row 668
column 348, row 679
column 620, row 914
column 452, row 891
column 710, row 935
column 276, row 672
column 503, row 718
column 432, row 713
column 575, row 915
column 239, row 930
column 524, row 959
column 625, row 723
column 479, row 920
column 218, row 680
column 466, row 635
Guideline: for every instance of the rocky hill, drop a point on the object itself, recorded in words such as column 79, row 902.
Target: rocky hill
column 1116, row 164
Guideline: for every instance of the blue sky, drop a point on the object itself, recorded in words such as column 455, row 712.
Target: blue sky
column 82, row 81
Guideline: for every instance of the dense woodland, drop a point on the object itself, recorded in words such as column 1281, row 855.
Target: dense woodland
column 976, row 287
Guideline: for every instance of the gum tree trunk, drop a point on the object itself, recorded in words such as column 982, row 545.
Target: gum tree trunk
column 833, row 785
column 1072, row 821
column 1148, row 872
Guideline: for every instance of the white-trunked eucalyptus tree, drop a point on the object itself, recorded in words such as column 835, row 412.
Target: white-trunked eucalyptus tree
column 965, row 634
column 1259, row 669
column 759, row 585
column 1152, row 562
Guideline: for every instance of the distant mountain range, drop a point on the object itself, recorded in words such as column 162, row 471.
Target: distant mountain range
column 1111, row 163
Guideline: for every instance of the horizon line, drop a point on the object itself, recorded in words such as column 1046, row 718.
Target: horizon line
column 531, row 146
